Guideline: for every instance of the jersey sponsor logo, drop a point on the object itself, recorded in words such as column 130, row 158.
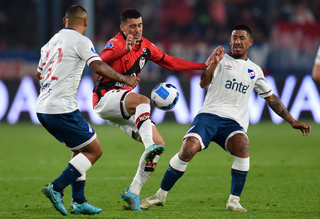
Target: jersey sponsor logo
column 252, row 74
column 228, row 67
column 120, row 84
column 142, row 62
column 92, row 50
column 109, row 45
column 236, row 86
column 143, row 117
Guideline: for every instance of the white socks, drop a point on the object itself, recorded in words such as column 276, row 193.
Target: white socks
column 144, row 124
column 142, row 175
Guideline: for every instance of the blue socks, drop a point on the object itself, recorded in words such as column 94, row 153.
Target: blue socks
column 68, row 176
column 237, row 182
column 78, row 191
column 170, row 178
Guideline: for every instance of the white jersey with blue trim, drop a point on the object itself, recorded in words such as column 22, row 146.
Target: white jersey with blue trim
column 231, row 87
column 61, row 66
column 317, row 59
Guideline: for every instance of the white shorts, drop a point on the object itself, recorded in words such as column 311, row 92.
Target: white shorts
column 111, row 107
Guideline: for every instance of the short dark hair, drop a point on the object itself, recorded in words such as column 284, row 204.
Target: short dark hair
column 129, row 13
column 74, row 10
column 243, row 27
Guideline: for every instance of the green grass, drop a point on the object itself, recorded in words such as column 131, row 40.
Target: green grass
column 283, row 181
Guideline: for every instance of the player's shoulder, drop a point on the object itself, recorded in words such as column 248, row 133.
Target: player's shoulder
column 149, row 44
column 116, row 41
column 254, row 65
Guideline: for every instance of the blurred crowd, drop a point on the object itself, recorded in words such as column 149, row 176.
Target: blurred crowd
column 164, row 20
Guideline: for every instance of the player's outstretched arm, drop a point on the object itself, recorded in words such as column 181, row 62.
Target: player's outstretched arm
column 277, row 106
column 106, row 71
column 211, row 64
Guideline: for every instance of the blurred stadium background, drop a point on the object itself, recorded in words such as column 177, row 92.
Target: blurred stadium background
column 286, row 34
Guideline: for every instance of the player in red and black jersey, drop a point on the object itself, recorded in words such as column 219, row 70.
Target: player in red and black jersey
column 127, row 53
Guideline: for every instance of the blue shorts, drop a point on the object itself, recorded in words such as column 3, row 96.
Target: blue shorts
column 70, row 129
column 207, row 127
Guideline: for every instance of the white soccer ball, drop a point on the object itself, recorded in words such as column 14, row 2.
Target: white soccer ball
column 164, row 96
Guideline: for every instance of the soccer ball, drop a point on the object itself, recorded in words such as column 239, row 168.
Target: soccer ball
column 164, row 96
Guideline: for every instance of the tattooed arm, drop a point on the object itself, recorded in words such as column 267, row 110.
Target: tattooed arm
column 277, row 106
column 106, row 71
column 214, row 59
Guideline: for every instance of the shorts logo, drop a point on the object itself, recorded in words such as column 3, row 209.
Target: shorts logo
column 109, row 45
column 89, row 128
column 190, row 128
column 252, row 74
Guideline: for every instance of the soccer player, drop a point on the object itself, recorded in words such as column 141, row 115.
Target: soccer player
column 59, row 70
column 316, row 68
column 224, row 117
column 127, row 53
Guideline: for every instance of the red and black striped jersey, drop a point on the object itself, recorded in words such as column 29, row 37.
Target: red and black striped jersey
column 116, row 55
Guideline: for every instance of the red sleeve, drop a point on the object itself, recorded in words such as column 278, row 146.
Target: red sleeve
column 110, row 55
column 177, row 64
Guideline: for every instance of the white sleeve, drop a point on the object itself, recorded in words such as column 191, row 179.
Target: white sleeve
column 86, row 50
column 317, row 60
column 261, row 86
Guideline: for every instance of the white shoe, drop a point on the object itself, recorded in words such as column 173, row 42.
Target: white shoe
column 234, row 205
column 157, row 199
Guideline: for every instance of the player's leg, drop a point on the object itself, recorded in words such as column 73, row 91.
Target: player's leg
column 177, row 167
column 139, row 106
column 145, row 169
column 74, row 131
column 79, row 204
column 197, row 138
column 238, row 145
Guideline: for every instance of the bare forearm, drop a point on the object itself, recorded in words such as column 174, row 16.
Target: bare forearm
column 277, row 106
column 106, row 71
column 207, row 76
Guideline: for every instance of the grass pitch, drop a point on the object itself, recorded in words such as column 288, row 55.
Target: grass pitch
column 283, row 181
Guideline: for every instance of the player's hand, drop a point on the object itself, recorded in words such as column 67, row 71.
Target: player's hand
column 131, row 81
column 216, row 56
column 130, row 42
column 305, row 128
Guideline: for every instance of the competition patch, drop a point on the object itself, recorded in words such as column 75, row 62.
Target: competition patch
column 252, row 74
column 92, row 50
column 109, row 45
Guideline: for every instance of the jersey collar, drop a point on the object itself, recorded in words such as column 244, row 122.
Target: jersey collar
column 230, row 54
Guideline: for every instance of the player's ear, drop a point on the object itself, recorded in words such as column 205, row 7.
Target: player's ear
column 121, row 27
column 251, row 41
column 64, row 21
column 86, row 22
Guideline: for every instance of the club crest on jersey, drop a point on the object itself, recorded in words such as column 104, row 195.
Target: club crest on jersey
column 142, row 62
column 252, row 74
column 92, row 50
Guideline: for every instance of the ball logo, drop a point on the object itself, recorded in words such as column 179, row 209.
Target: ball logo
column 252, row 74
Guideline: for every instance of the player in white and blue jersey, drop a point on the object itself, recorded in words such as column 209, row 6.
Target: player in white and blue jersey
column 224, row 117
column 59, row 70
column 316, row 67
